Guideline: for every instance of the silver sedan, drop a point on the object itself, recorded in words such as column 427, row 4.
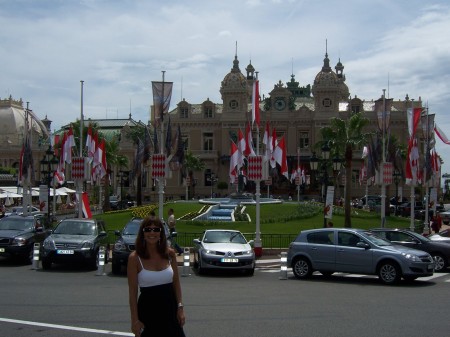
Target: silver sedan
column 223, row 249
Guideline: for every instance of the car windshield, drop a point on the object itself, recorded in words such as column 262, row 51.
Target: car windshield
column 224, row 237
column 75, row 228
column 131, row 228
column 376, row 240
column 16, row 224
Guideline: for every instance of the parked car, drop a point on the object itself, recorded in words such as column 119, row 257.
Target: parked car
column 370, row 201
column 19, row 233
column 405, row 209
column 74, row 240
column 223, row 249
column 18, row 210
column 115, row 203
column 125, row 243
column 394, row 202
column 445, row 216
column 330, row 250
column 439, row 251
column 443, row 236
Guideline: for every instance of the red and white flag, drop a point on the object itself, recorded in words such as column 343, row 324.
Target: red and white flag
column 68, row 143
column 280, row 157
column 412, row 163
column 255, row 104
column 248, row 142
column 267, row 142
column 90, row 144
column 234, row 161
column 85, row 207
column 273, row 144
column 441, row 135
column 241, row 149
column 413, row 116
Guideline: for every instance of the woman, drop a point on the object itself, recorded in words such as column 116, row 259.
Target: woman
column 152, row 267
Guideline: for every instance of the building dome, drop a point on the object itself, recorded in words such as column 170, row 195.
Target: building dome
column 327, row 79
column 12, row 122
column 234, row 81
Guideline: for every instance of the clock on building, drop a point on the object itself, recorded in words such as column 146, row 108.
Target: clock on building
column 233, row 104
column 280, row 104
column 326, row 102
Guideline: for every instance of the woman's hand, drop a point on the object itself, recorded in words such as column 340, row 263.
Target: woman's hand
column 137, row 328
column 180, row 316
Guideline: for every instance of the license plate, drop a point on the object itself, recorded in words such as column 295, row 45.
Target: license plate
column 2, row 250
column 430, row 266
column 229, row 260
column 64, row 251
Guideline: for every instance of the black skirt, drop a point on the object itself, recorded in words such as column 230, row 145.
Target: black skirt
column 157, row 310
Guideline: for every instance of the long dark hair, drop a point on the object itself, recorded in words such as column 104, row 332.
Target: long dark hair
column 140, row 240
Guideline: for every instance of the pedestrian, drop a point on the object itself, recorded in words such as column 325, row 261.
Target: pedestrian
column 152, row 267
column 171, row 222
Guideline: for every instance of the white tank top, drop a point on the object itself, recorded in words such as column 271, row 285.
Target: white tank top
column 150, row 278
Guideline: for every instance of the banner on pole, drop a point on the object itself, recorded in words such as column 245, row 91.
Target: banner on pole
column 388, row 170
column 254, row 170
column 328, row 211
column 158, row 165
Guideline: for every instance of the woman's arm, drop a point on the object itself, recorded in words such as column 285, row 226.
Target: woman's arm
column 132, row 272
column 177, row 287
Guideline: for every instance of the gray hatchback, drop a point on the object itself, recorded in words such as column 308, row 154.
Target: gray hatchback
column 330, row 250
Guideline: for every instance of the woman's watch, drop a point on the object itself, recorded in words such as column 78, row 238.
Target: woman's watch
column 180, row 305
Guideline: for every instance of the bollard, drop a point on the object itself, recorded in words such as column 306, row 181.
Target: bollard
column 283, row 267
column 186, row 262
column 35, row 263
column 101, row 261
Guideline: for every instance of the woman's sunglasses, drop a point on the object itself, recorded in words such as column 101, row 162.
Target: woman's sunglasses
column 151, row 229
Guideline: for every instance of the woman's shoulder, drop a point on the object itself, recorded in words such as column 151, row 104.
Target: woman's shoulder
column 133, row 257
column 171, row 253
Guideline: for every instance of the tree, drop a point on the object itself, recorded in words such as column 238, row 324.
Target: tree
column 113, row 159
column 191, row 164
column 345, row 136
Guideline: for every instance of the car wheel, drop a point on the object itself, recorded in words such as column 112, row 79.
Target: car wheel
column 302, row 268
column 389, row 273
column 116, row 268
column 94, row 262
column 200, row 269
column 46, row 264
column 439, row 263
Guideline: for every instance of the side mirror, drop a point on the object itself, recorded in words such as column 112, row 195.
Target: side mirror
column 251, row 242
column 117, row 232
column 174, row 234
column 364, row 245
column 102, row 234
column 196, row 241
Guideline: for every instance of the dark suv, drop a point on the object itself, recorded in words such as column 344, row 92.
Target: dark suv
column 75, row 240
column 19, row 233
column 439, row 251
column 124, row 244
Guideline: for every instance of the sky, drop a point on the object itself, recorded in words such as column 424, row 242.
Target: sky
column 117, row 47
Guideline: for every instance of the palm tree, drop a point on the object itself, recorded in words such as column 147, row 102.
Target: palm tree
column 191, row 164
column 345, row 136
column 113, row 159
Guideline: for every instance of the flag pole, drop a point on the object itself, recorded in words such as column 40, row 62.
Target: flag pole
column 383, row 185
column 258, row 243
column 161, row 151
column 413, row 181
column 80, row 181
column 425, row 181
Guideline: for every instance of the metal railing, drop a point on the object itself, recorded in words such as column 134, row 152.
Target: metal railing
column 269, row 240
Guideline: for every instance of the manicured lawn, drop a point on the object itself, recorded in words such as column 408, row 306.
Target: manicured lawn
column 285, row 218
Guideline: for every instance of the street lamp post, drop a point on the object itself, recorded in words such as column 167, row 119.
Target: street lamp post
column 397, row 177
column 314, row 164
column 48, row 167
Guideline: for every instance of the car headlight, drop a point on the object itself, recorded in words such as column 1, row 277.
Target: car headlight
column 210, row 252
column 20, row 241
column 49, row 244
column 119, row 245
column 411, row 257
column 87, row 245
column 247, row 252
